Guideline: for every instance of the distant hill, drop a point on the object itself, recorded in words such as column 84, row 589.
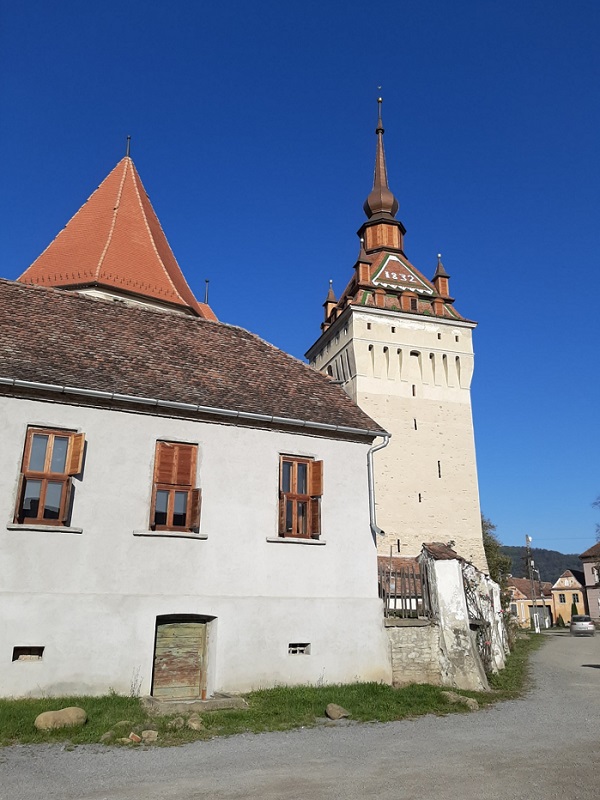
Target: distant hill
column 550, row 563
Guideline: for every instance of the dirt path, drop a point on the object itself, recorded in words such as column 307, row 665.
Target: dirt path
column 544, row 746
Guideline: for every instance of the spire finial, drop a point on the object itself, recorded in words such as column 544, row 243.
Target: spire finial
column 381, row 199
column 128, row 147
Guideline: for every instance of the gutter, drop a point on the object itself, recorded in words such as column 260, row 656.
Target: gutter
column 192, row 407
column 375, row 529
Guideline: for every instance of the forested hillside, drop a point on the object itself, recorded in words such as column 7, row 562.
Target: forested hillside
column 550, row 563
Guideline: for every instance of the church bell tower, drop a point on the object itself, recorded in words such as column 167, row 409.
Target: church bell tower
column 401, row 350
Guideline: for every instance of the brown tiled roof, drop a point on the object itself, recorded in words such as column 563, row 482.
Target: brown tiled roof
column 64, row 338
column 115, row 241
column 441, row 552
column 524, row 586
column 593, row 552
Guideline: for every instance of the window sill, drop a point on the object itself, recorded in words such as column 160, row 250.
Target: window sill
column 171, row 534
column 43, row 528
column 295, row 540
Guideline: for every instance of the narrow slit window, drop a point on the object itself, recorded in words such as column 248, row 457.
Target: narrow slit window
column 27, row 653
column 299, row 648
column 439, row 469
column 420, row 498
column 414, row 390
column 415, row 423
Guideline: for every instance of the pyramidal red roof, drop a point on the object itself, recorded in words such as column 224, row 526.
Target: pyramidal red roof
column 116, row 242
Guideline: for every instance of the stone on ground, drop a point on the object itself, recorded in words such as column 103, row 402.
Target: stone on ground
column 334, row 711
column 64, row 718
column 195, row 722
column 453, row 697
column 149, row 736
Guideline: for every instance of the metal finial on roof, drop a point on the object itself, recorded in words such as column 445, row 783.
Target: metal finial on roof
column 128, row 147
column 206, row 282
column 331, row 298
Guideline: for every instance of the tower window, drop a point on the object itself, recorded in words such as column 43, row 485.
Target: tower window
column 393, row 329
column 414, row 390
column 414, row 304
column 415, row 423
column 368, row 326
column 439, row 469
column 420, row 498
column 456, row 338
column 439, row 335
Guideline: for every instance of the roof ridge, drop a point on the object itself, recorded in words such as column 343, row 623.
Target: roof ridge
column 114, row 221
column 158, row 256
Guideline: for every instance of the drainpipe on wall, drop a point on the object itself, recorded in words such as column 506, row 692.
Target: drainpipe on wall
column 375, row 529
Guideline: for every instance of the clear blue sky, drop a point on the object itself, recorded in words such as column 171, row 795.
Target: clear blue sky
column 252, row 127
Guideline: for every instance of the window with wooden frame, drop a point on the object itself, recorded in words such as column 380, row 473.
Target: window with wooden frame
column 50, row 459
column 175, row 498
column 300, row 490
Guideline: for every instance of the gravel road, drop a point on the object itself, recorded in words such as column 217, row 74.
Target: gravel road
column 544, row 746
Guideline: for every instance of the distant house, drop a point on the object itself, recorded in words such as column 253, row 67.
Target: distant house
column 591, row 573
column 524, row 602
column 185, row 508
column 569, row 590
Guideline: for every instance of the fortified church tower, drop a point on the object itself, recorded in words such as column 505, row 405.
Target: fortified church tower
column 404, row 354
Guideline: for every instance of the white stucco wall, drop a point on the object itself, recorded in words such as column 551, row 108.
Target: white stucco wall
column 91, row 599
column 426, row 479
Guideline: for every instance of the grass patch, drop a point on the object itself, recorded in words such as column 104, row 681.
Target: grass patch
column 279, row 709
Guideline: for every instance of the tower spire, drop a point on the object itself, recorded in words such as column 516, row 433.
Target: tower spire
column 380, row 200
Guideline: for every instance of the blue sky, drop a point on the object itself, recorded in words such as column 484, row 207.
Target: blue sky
column 252, row 127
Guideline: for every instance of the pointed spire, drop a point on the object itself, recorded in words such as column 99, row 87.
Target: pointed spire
column 331, row 298
column 440, row 272
column 441, row 279
column 380, row 200
column 114, row 241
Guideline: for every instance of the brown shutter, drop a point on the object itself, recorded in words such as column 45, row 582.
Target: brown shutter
column 315, row 478
column 164, row 462
column 20, row 490
column 195, row 505
column 315, row 517
column 185, row 472
column 282, row 501
column 77, row 445
column 66, row 503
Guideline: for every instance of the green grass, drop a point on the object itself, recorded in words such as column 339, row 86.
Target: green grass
column 276, row 709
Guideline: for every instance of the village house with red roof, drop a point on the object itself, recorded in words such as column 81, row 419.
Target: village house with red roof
column 185, row 507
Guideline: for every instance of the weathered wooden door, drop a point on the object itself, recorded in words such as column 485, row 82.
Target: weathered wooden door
column 179, row 657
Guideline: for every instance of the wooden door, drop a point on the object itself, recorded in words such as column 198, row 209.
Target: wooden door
column 179, row 657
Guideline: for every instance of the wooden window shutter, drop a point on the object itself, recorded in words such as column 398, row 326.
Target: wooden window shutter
column 282, row 502
column 66, row 507
column 315, row 516
column 316, row 478
column 164, row 462
column 185, row 471
column 20, row 490
column 195, row 505
column 77, row 446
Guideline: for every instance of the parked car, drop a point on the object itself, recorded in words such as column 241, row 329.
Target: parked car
column 582, row 625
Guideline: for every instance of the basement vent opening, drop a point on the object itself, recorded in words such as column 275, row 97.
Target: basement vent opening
column 27, row 653
column 299, row 648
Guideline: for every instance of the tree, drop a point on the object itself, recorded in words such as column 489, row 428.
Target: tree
column 499, row 565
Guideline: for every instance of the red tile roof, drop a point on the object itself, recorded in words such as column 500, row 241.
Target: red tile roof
column 524, row 586
column 116, row 242
column 68, row 339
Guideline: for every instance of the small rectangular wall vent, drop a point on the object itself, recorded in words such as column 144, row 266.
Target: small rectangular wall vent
column 299, row 649
column 27, row 653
